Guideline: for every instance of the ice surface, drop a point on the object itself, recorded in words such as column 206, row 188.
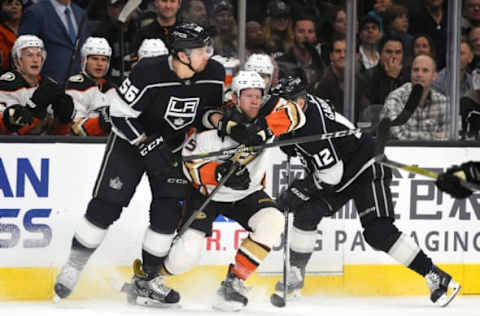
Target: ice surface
column 318, row 305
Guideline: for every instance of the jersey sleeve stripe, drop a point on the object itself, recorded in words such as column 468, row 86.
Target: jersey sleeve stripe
column 129, row 128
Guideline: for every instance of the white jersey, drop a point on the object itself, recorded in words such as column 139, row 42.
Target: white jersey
column 201, row 172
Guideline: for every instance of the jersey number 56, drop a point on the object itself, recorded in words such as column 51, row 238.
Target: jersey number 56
column 128, row 90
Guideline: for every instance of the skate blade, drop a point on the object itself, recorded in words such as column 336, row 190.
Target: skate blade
column 295, row 294
column 56, row 299
column 453, row 289
column 228, row 306
column 145, row 301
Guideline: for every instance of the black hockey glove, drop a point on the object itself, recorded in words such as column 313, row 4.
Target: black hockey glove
column 450, row 183
column 43, row 96
column 298, row 193
column 472, row 123
column 240, row 180
column 157, row 155
column 104, row 118
column 16, row 116
column 63, row 108
column 231, row 118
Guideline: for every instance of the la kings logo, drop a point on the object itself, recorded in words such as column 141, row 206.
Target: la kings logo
column 181, row 112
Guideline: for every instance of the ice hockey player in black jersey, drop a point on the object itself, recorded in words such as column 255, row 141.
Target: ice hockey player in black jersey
column 25, row 97
column 151, row 113
column 449, row 181
column 338, row 170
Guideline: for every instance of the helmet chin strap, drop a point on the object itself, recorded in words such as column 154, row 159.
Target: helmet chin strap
column 189, row 65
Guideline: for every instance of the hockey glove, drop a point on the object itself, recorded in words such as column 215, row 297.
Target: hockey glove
column 450, row 183
column 43, row 96
column 63, row 108
column 16, row 116
column 157, row 155
column 231, row 118
column 298, row 193
column 240, row 180
column 473, row 124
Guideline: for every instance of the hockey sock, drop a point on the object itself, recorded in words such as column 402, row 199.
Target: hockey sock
column 80, row 254
column 154, row 266
column 422, row 264
column 299, row 259
column 248, row 258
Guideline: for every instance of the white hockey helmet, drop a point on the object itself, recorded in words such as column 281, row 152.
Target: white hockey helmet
column 95, row 46
column 247, row 79
column 260, row 63
column 152, row 47
column 24, row 41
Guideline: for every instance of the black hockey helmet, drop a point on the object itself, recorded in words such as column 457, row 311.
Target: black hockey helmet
column 290, row 88
column 188, row 35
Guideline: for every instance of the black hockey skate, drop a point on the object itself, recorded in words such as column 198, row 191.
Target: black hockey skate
column 295, row 282
column 443, row 288
column 149, row 290
column 231, row 294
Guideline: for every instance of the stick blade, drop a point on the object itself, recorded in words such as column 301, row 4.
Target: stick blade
column 129, row 7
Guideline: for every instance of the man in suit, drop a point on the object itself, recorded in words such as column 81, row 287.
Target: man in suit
column 57, row 23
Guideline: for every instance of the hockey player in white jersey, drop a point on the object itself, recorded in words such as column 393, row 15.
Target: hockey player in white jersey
column 242, row 197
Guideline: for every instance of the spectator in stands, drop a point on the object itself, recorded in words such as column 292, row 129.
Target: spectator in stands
column 430, row 120
column 379, row 8
column 195, row 11
column 25, row 95
column 89, row 89
column 303, row 59
column 422, row 44
column 10, row 15
column 471, row 15
column 390, row 73
column 432, row 20
column 255, row 39
column 369, row 37
column 57, row 23
column 110, row 30
column 395, row 21
column 466, row 56
column 331, row 86
column 279, row 34
column 165, row 21
column 474, row 39
column 225, row 41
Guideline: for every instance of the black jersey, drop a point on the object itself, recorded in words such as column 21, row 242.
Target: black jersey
column 342, row 159
column 154, row 101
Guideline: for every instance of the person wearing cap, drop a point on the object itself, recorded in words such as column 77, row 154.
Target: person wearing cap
column 225, row 40
column 110, row 29
column 279, row 35
column 150, row 114
column 167, row 17
column 369, row 36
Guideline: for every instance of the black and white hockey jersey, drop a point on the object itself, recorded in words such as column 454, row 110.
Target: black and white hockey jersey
column 337, row 161
column 153, row 100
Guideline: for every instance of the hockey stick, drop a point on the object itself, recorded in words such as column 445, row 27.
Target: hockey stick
column 128, row 8
column 275, row 299
column 403, row 117
column 234, row 168
column 427, row 173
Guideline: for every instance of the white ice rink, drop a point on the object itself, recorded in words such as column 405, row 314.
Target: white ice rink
column 318, row 306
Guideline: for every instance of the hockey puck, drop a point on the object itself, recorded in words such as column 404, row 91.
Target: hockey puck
column 277, row 300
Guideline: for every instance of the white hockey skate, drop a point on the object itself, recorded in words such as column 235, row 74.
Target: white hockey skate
column 149, row 291
column 231, row 294
column 66, row 280
column 295, row 283
column 443, row 288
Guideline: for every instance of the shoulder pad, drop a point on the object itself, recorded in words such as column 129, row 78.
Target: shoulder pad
column 8, row 76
